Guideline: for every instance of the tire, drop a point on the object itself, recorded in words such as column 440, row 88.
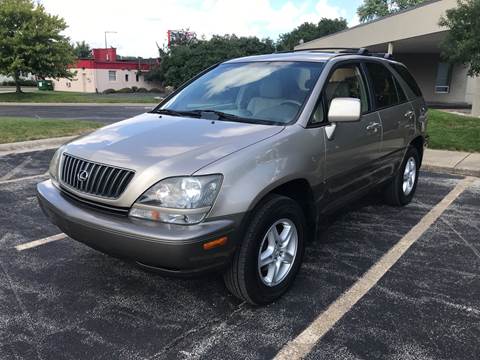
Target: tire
column 243, row 278
column 396, row 193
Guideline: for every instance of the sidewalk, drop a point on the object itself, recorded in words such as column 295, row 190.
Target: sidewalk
column 454, row 162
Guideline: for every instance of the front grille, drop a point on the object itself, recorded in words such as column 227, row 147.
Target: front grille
column 94, row 178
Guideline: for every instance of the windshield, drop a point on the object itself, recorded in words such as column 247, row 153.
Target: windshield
column 256, row 92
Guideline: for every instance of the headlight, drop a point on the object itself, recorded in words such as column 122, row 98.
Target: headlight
column 179, row 200
column 54, row 164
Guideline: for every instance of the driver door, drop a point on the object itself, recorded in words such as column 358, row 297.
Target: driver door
column 354, row 147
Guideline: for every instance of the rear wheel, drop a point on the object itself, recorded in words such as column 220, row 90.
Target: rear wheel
column 401, row 189
column 271, row 252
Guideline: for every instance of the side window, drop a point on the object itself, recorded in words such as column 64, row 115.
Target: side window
column 345, row 81
column 401, row 94
column 384, row 87
column 408, row 78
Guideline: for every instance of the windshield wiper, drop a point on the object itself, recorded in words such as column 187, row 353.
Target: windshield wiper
column 220, row 114
column 176, row 112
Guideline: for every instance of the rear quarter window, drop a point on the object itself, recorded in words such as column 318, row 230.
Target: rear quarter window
column 408, row 78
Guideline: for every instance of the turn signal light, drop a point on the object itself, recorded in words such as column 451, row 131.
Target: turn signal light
column 215, row 243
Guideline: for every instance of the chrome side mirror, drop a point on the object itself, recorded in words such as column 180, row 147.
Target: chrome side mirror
column 342, row 110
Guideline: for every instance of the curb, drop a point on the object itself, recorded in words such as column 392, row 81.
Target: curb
column 80, row 104
column 34, row 145
column 450, row 170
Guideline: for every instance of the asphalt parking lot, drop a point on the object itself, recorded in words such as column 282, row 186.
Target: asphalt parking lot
column 63, row 300
column 101, row 113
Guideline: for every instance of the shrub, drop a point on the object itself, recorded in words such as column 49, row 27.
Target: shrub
column 126, row 90
column 155, row 90
column 109, row 91
column 142, row 90
column 23, row 82
column 134, row 88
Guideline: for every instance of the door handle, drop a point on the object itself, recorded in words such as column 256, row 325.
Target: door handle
column 373, row 127
column 409, row 115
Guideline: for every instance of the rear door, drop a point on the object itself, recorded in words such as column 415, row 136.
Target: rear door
column 396, row 113
column 414, row 94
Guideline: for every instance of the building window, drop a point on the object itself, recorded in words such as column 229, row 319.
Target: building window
column 442, row 82
column 126, row 77
column 112, row 75
column 137, row 77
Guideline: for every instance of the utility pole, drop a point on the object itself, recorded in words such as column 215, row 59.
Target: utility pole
column 108, row 32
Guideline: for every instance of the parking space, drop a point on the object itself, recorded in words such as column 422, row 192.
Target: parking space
column 64, row 300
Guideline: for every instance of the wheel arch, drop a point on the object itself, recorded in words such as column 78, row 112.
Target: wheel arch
column 418, row 143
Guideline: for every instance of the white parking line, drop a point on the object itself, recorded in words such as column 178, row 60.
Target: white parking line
column 23, row 178
column 39, row 242
column 16, row 169
column 300, row 346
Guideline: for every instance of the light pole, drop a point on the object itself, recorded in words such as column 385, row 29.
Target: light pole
column 108, row 32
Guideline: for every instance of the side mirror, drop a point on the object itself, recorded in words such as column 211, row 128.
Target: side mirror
column 344, row 110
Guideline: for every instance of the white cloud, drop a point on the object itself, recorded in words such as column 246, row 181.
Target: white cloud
column 142, row 23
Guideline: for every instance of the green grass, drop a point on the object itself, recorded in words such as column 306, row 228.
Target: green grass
column 76, row 97
column 13, row 129
column 453, row 132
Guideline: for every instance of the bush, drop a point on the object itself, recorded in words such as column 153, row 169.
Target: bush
column 134, row 88
column 155, row 90
column 126, row 90
column 23, row 82
column 142, row 90
column 109, row 91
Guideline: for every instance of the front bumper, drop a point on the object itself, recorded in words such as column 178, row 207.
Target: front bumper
column 169, row 248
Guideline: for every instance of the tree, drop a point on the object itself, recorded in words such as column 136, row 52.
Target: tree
column 462, row 43
column 82, row 50
column 309, row 31
column 372, row 9
column 30, row 42
column 182, row 62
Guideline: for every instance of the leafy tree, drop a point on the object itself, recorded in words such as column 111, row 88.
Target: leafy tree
column 462, row 43
column 309, row 31
column 82, row 50
column 182, row 62
column 30, row 42
column 372, row 9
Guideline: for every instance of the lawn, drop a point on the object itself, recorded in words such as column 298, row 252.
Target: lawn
column 453, row 132
column 13, row 129
column 77, row 97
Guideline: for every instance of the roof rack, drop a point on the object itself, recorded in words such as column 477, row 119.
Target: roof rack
column 348, row 51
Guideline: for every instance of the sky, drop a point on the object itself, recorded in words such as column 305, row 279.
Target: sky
column 140, row 24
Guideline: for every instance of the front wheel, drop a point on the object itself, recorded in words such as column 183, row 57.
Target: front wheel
column 271, row 252
column 401, row 189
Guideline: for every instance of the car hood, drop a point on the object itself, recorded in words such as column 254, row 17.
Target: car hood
column 157, row 146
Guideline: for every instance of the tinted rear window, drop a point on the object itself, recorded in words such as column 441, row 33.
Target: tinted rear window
column 408, row 78
column 384, row 88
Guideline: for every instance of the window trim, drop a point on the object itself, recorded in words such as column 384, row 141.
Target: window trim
column 321, row 97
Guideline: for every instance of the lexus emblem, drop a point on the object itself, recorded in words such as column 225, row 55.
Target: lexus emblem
column 83, row 175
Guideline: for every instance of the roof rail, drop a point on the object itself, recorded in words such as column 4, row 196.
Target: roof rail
column 339, row 51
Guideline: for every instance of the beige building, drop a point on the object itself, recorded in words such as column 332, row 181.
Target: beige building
column 413, row 37
column 103, row 72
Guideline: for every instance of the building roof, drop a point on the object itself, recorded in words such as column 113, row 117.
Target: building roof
column 107, row 59
column 421, row 20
